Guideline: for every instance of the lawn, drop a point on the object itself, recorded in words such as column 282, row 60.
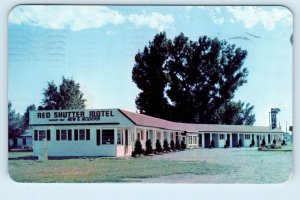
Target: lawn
column 89, row 170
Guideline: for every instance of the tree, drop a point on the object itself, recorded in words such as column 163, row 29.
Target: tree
column 149, row 74
column 65, row 96
column 237, row 113
column 172, row 144
column 182, row 145
column 138, row 150
column 212, row 143
column 252, row 143
column 263, row 143
column 177, row 144
column 149, row 149
column 166, row 145
column 15, row 122
column 158, row 146
column 26, row 116
column 193, row 82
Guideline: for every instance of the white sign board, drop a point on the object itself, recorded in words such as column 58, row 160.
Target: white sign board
column 91, row 116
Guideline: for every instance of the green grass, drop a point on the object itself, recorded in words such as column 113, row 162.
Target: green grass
column 103, row 169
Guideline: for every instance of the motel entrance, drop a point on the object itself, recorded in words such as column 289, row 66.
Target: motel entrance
column 206, row 140
column 200, row 140
column 234, row 140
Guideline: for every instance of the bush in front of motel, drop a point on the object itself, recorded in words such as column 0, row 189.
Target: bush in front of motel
column 212, row 144
column 149, row 149
column 166, row 146
column 138, row 150
column 252, row 143
column 158, row 146
column 227, row 144
column 177, row 145
column 172, row 144
column 263, row 143
column 182, row 145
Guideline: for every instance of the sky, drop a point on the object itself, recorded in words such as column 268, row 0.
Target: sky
column 96, row 46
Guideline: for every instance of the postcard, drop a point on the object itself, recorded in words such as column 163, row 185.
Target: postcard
column 150, row 94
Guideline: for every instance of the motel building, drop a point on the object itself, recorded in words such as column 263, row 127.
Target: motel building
column 113, row 132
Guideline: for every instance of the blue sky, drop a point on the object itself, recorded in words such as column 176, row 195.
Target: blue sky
column 96, row 46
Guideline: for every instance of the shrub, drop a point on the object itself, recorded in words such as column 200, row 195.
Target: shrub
column 138, row 148
column 172, row 144
column 240, row 142
column 227, row 143
column 212, row 143
column 166, row 145
column 182, row 145
column 274, row 141
column 158, row 146
column 263, row 143
column 177, row 144
column 252, row 143
column 149, row 149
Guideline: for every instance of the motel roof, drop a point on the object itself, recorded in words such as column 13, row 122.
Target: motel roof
column 148, row 121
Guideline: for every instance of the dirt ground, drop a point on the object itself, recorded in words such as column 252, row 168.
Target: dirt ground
column 249, row 166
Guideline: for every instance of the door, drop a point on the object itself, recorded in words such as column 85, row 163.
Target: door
column 206, row 140
column 200, row 140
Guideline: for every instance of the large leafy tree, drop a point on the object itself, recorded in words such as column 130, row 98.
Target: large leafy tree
column 15, row 122
column 26, row 116
column 65, row 96
column 197, row 80
column 149, row 74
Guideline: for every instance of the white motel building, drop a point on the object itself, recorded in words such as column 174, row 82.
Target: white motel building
column 113, row 132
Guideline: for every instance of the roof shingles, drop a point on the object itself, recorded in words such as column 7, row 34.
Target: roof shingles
column 148, row 121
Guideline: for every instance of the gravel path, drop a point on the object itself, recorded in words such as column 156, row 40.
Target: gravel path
column 248, row 166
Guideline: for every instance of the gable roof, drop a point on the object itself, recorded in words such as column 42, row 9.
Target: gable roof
column 148, row 121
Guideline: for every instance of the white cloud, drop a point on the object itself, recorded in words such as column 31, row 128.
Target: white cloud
column 215, row 13
column 218, row 20
column 60, row 17
column 154, row 20
column 78, row 18
column 187, row 8
column 254, row 15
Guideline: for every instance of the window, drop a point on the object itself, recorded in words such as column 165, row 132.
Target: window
column 119, row 137
column 98, row 137
column 189, row 140
column 222, row 136
column 81, row 134
column 24, row 141
column 76, row 134
column 42, row 135
column 36, row 135
column 57, row 135
column 194, row 139
column 69, row 134
column 63, row 134
column 87, row 134
column 48, row 135
column 108, row 136
column 247, row 136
